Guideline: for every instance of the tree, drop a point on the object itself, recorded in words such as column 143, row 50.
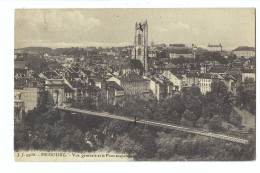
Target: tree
column 177, row 104
column 194, row 91
column 125, row 144
column 38, row 65
column 235, row 118
column 21, row 136
column 166, row 112
column 30, row 117
column 167, row 147
column 215, row 123
column 189, row 116
column 117, row 127
column 246, row 99
column 231, row 58
column 200, row 122
column 74, row 140
column 42, row 102
column 194, row 105
column 51, row 117
column 174, row 117
column 218, row 87
column 185, row 122
column 149, row 147
column 208, row 111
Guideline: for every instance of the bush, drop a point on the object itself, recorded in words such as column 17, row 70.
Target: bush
column 215, row 123
column 185, row 122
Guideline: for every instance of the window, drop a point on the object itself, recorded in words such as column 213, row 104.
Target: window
column 139, row 39
column 139, row 51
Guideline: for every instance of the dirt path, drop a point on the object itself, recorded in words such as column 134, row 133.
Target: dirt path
column 248, row 119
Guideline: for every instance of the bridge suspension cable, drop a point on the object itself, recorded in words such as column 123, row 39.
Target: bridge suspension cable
column 159, row 124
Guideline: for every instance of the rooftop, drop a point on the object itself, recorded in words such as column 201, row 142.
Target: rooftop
column 131, row 77
column 245, row 48
column 177, row 71
column 247, row 70
column 20, row 64
column 208, row 76
column 181, row 51
column 218, row 69
column 51, row 75
column 192, row 75
column 228, row 77
column 115, row 85
column 67, row 89
column 211, row 45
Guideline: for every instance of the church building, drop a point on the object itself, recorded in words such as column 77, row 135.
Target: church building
column 140, row 51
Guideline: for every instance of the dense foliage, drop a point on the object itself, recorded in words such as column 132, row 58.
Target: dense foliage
column 44, row 129
column 246, row 99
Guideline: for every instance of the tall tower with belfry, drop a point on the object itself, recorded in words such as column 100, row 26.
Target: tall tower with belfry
column 140, row 51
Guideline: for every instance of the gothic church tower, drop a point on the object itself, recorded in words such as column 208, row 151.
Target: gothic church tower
column 140, row 51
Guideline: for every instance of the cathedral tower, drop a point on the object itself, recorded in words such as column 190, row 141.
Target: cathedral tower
column 140, row 51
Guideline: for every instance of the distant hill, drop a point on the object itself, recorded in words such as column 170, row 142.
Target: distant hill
column 37, row 49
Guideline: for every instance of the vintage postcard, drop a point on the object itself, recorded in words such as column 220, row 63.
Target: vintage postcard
column 135, row 84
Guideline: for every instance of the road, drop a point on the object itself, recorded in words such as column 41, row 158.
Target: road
column 159, row 124
column 248, row 119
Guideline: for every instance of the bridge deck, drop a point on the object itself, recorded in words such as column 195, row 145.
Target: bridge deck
column 159, row 124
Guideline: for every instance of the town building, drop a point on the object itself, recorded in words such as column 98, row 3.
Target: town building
column 152, row 54
column 176, row 78
column 215, row 48
column 178, row 53
column 20, row 69
column 134, row 84
column 205, row 80
column 98, row 82
column 229, row 81
column 30, row 96
column 69, row 94
column 69, row 59
column 55, row 91
column 115, row 79
column 248, row 74
column 192, row 79
column 236, row 73
column 218, row 70
column 19, row 106
column 178, row 45
column 112, row 93
column 244, row 51
column 161, row 87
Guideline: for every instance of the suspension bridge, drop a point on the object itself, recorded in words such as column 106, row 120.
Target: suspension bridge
column 159, row 124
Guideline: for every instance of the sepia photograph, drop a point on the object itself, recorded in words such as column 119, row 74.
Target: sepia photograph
column 134, row 84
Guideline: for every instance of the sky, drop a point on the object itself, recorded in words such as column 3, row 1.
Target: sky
column 115, row 27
